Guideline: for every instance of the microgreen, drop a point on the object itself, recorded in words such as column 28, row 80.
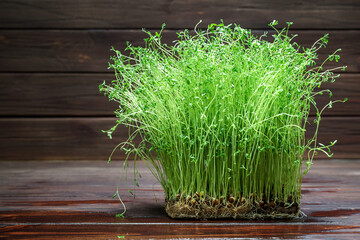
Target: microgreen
column 222, row 111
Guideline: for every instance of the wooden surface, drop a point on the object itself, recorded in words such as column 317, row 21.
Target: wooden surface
column 77, row 95
column 176, row 14
column 72, row 200
column 89, row 50
column 54, row 54
column 63, row 138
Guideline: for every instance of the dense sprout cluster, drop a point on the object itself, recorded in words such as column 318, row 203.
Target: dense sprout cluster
column 222, row 111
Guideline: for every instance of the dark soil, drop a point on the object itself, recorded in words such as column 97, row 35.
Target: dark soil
column 236, row 208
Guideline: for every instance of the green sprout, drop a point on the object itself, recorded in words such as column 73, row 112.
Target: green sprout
column 221, row 112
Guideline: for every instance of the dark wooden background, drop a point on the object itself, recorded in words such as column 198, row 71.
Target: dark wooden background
column 54, row 54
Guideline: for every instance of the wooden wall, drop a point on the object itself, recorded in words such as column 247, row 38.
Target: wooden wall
column 53, row 55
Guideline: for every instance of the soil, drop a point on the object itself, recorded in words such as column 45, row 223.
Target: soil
column 212, row 208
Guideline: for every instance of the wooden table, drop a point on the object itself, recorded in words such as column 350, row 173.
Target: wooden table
column 72, row 200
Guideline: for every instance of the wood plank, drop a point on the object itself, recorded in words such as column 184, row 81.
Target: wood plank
column 62, row 200
column 346, row 86
column 58, row 138
column 88, row 51
column 344, row 129
column 154, row 231
column 54, row 95
column 61, row 51
column 43, row 94
column 176, row 14
column 81, row 138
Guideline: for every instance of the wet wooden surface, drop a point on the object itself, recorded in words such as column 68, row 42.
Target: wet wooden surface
column 72, row 200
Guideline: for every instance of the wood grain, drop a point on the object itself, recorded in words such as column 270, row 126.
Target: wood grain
column 58, row 138
column 89, row 51
column 81, row 138
column 68, row 94
column 54, row 95
column 63, row 200
column 176, row 14
column 346, row 86
column 61, row 51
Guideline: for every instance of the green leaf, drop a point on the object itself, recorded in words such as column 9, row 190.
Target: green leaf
column 273, row 23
